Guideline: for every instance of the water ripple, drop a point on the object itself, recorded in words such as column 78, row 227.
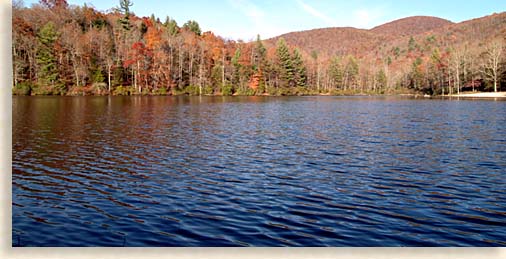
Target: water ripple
column 254, row 171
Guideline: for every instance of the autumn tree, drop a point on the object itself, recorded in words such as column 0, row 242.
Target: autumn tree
column 53, row 4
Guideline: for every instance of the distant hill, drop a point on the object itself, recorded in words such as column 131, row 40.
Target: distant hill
column 334, row 41
column 379, row 40
column 410, row 26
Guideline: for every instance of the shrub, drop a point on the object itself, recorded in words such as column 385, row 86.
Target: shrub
column 207, row 90
column 23, row 88
column 191, row 90
column 246, row 92
column 160, row 91
column 227, row 90
column 272, row 91
column 123, row 90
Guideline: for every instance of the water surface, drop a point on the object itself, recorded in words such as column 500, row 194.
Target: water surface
column 258, row 171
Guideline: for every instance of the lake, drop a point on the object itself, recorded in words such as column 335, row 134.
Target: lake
column 258, row 171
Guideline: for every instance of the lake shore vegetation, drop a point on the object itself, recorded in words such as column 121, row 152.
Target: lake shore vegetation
column 62, row 49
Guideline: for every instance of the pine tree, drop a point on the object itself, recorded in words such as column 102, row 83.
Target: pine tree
column 352, row 72
column 299, row 69
column 286, row 69
column 171, row 26
column 381, row 79
column 48, row 71
column 237, row 67
column 336, row 72
column 260, row 54
column 125, row 9
column 193, row 26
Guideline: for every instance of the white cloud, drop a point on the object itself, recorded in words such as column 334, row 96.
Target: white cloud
column 311, row 10
column 366, row 19
column 260, row 24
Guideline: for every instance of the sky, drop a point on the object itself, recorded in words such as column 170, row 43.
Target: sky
column 244, row 19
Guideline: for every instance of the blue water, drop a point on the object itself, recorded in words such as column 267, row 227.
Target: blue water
column 258, row 171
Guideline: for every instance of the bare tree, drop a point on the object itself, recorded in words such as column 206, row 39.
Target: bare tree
column 492, row 60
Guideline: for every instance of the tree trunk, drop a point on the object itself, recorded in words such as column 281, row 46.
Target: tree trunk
column 109, row 68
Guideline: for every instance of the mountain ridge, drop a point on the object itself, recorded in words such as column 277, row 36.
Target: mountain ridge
column 340, row 41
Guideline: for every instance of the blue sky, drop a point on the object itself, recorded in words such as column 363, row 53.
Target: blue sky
column 245, row 18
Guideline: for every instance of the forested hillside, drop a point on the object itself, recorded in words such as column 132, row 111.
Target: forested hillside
column 62, row 49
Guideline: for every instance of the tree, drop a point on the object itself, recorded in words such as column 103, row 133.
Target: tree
column 125, row 9
column 381, row 79
column 48, row 72
column 285, row 63
column 417, row 74
column 456, row 61
column 492, row 59
column 336, row 72
column 299, row 69
column 236, row 79
column 411, row 44
column 192, row 26
column 259, row 54
column 351, row 73
column 171, row 26
column 52, row 4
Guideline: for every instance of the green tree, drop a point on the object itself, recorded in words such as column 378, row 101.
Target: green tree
column 411, row 44
column 285, row 63
column 336, row 72
column 48, row 70
column 381, row 78
column 193, row 26
column 236, row 78
column 260, row 54
column 299, row 68
column 351, row 71
column 124, row 8
column 417, row 74
column 171, row 26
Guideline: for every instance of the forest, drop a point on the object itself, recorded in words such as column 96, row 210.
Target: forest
column 62, row 49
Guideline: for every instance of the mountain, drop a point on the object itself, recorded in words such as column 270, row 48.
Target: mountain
column 333, row 41
column 396, row 34
column 410, row 26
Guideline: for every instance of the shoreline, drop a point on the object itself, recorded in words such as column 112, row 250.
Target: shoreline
column 415, row 95
column 478, row 95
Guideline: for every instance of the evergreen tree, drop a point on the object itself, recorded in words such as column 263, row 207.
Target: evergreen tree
column 381, row 78
column 125, row 9
column 285, row 63
column 411, row 44
column 48, row 70
column 193, row 26
column 336, row 72
column 260, row 54
column 299, row 69
column 237, row 67
column 417, row 74
column 352, row 71
column 171, row 26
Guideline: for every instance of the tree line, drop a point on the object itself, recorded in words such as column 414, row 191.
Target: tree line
column 61, row 49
